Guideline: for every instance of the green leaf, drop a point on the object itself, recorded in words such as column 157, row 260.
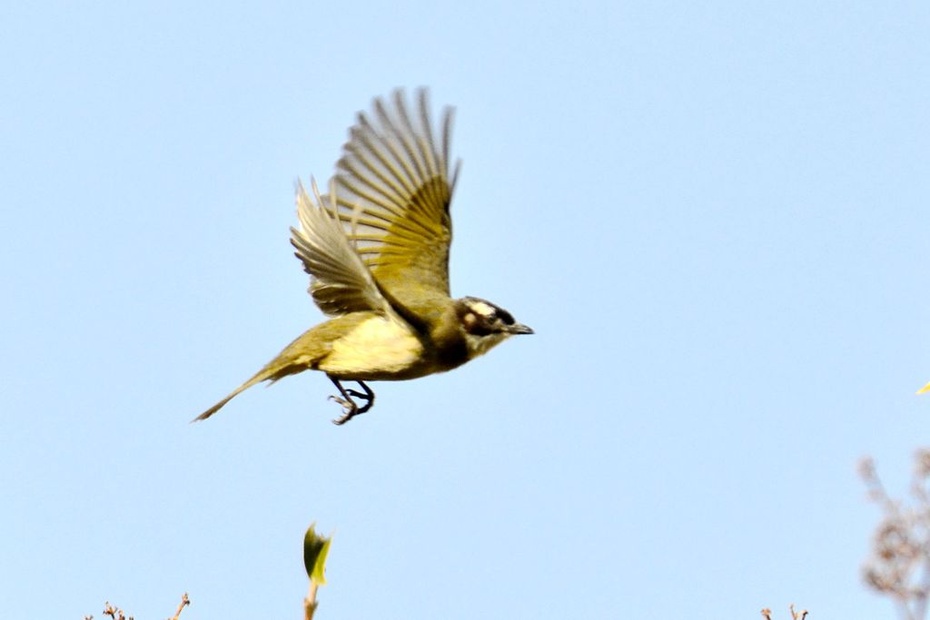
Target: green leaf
column 316, row 548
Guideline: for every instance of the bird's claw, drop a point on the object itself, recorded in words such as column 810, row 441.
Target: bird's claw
column 350, row 410
column 349, row 406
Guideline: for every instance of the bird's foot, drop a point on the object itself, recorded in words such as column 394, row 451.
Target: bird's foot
column 350, row 410
column 349, row 406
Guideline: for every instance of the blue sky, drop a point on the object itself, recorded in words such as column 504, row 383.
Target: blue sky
column 712, row 214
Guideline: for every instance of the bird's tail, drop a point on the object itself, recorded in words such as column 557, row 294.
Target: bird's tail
column 206, row 414
column 277, row 368
column 303, row 353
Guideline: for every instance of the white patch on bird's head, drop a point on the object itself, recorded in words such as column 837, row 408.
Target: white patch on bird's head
column 482, row 307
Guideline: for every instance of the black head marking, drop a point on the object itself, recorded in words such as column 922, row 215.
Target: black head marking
column 481, row 318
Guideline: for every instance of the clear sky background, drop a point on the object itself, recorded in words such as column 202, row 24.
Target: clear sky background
column 713, row 214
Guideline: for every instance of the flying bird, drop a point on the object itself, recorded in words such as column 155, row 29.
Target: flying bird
column 376, row 247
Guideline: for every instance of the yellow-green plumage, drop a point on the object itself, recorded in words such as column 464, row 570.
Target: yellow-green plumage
column 377, row 251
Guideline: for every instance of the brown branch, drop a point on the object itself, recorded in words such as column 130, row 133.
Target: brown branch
column 899, row 566
column 185, row 601
column 310, row 603
column 797, row 615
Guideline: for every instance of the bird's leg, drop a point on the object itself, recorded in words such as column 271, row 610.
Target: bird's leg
column 368, row 396
column 350, row 407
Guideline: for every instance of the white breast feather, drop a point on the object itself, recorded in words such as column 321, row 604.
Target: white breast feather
column 377, row 347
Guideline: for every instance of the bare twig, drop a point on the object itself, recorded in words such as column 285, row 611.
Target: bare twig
column 185, row 601
column 797, row 615
column 116, row 613
column 900, row 563
column 310, row 603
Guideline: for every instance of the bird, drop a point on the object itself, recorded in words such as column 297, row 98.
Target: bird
column 376, row 248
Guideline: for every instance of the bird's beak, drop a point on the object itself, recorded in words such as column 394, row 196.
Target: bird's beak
column 518, row 328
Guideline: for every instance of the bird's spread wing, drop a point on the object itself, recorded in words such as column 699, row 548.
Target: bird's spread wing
column 393, row 188
column 340, row 282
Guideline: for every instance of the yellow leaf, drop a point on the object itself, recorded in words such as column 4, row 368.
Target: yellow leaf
column 316, row 548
